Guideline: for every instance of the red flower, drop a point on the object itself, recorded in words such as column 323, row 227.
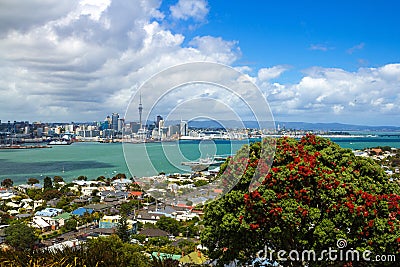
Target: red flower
column 254, row 226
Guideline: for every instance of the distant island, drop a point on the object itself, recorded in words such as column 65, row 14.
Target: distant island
column 291, row 125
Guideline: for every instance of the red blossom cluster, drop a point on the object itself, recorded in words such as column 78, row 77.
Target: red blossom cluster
column 302, row 172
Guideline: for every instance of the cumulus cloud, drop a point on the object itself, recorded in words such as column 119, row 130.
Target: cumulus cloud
column 83, row 60
column 190, row 9
column 23, row 15
column 337, row 95
column 265, row 74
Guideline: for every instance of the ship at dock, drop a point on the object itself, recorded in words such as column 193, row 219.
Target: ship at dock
column 202, row 164
column 65, row 140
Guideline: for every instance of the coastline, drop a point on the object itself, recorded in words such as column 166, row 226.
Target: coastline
column 93, row 159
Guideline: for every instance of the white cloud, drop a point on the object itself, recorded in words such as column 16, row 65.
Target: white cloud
column 338, row 95
column 359, row 46
column 186, row 9
column 23, row 15
column 83, row 60
column 215, row 47
column 320, row 47
column 265, row 74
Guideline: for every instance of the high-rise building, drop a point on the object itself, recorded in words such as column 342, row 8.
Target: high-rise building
column 140, row 111
column 121, row 123
column 184, row 128
column 114, row 121
column 159, row 118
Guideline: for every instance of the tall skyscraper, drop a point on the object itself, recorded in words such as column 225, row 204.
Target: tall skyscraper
column 121, row 124
column 184, row 128
column 159, row 118
column 114, row 121
column 140, row 111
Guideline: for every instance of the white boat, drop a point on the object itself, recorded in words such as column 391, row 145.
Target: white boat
column 59, row 142
column 206, row 161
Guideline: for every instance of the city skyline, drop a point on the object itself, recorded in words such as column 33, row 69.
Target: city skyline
column 314, row 62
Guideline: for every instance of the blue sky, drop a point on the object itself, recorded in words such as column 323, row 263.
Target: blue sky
column 314, row 61
column 340, row 34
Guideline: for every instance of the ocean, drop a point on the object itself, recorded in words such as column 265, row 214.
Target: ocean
column 99, row 159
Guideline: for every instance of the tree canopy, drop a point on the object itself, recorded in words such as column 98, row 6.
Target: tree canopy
column 7, row 182
column 315, row 194
column 32, row 181
column 20, row 236
column 123, row 231
column 47, row 183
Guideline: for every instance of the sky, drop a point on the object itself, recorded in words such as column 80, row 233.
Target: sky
column 313, row 61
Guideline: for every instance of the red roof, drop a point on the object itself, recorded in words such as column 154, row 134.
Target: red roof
column 184, row 206
column 136, row 193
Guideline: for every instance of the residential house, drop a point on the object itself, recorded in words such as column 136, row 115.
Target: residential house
column 88, row 190
column 154, row 232
column 118, row 195
column 110, row 222
column 48, row 212
column 40, row 223
column 99, row 207
column 136, row 194
column 147, row 217
column 121, row 184
column 6, row 193
column 44, row 219
column 81, row 211
column 61, row 219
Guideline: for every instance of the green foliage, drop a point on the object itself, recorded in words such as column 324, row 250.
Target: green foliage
column 63, row 203
column 20, row 236
column 315, row 194
column 70, row 224
column 47, row 183
column 130, row 206
column 100, row 252
column 58, row 179
column 7, row 182
column 169, row 225
column 51, row 194
column 32, row 181
column 101, row 178
column 5, row 218
column 122, row 229
column 82, row 178
column 119, row 176
column 35, row 194
column 199, row 183
column 159, row 241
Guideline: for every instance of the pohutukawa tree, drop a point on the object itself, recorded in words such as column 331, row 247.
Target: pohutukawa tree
column 315, row 194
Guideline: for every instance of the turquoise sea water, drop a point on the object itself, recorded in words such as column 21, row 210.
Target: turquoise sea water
column 96, row 159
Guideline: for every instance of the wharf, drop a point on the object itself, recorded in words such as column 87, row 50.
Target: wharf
column 24, row 147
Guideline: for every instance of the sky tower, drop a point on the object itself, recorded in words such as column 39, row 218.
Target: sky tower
column 140, row 111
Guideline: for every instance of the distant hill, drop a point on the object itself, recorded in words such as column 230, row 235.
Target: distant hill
column 334, row 126
column 290, row 125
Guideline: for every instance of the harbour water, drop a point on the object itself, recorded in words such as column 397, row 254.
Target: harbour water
column 97, row 159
